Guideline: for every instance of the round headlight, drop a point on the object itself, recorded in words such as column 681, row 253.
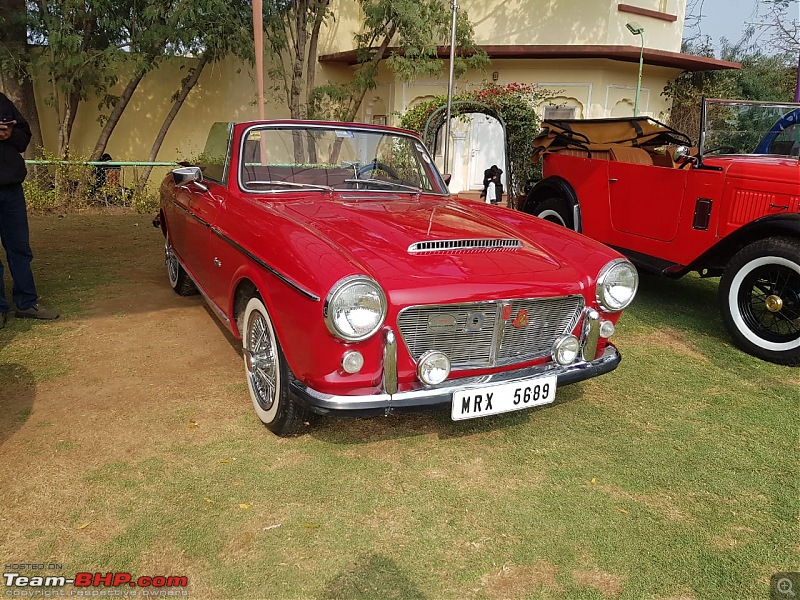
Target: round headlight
column 434, row 367
column 352, row 361
column 616, row 285
column 355, row 308
column 566, row 350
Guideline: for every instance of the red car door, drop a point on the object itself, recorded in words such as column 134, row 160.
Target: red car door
column 200, row 207
column 645, row 201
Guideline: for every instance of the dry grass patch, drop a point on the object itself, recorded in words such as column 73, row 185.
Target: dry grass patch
column 606, row 583
column 513, row 581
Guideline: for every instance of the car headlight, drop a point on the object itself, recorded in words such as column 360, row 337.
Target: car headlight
column 616, row 285
column 355, row 308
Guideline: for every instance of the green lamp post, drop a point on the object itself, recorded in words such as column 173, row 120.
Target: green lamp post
column 637, row 29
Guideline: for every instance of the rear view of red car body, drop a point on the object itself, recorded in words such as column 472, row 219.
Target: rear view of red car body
column 640, row 187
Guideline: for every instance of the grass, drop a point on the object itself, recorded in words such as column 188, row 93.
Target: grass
column 675, row 476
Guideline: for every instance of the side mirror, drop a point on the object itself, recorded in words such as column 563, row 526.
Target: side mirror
column 680, row 153
column 447, row 177
column 186, row 175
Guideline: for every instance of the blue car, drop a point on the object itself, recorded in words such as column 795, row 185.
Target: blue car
column 784, row 136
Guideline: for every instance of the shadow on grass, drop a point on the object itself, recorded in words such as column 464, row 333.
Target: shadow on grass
column 17, row 391
column 688, row 304
column 375, row 576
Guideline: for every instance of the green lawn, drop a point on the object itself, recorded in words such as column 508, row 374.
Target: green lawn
column 127, row 444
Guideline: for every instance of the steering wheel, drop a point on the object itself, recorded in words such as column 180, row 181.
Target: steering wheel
column 727, row 149
column 376, row 166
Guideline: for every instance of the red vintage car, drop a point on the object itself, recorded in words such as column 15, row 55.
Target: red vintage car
column 358, row 285
column 672, row 208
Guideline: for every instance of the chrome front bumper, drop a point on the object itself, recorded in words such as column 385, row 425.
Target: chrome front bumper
column 424, row 396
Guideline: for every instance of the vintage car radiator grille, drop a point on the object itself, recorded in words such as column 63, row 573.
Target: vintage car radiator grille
column 467, row 244
column 485, row 334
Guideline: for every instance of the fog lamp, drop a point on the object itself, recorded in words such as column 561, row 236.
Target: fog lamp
column 352, row 361
column 607, row 329
column 566, row 350
column 433, row 367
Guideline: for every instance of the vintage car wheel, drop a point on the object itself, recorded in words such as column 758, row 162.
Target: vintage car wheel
column 178, row 277
column 556, row 211
column 267, row 372
column 760, row 300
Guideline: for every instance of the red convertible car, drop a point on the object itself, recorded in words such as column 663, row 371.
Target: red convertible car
column 358, row 285
column 718, row 209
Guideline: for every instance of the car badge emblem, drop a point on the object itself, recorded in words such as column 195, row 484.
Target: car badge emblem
column 521, row 320
column 439, row 323
column 474, row 322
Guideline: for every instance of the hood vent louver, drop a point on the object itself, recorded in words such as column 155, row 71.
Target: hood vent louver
column 483, row 244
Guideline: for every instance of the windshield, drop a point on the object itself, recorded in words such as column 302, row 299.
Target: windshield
column 281, row 158
column 740, row 127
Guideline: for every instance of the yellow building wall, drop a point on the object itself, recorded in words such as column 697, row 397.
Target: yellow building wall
column 226, row 91
column 521, row 22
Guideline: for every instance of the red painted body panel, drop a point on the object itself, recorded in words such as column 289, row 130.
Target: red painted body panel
column 650, row 209
column 315, row 238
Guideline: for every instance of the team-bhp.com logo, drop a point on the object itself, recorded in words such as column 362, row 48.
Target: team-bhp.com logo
column 158, row 585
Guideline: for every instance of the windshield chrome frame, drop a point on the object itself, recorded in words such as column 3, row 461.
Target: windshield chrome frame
column 437, row 180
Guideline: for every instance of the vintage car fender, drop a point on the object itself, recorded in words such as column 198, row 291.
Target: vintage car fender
column 285, row 271
column 713, row 261
column 554, row 187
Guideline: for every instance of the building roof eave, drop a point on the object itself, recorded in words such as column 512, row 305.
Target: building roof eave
column 661, row 58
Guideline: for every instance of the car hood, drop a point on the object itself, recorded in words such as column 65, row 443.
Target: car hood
column 376, row 232
column 762, row 167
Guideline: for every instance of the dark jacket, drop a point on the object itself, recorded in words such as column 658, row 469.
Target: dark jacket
column 12, row 164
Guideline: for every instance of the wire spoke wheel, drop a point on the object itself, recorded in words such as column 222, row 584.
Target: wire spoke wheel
column 262, row 366
column 172, row 264
column 769, row 301
column 267, row 372
column 760, row 299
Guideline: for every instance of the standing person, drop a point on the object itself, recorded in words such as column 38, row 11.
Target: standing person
column 498, row 186
column 488, row 175
column 491, row 198
column 15, row 134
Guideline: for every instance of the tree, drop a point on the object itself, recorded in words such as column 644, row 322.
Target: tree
column 419, row 28
column 228, row 32
column 767, row 77
column 292, row 29
column 79, row 53
column 15, row 59
column 153, row 29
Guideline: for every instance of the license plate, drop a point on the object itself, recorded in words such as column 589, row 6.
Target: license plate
column 504, row 397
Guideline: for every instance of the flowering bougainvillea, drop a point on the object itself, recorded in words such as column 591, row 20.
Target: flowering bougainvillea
column 513, row 103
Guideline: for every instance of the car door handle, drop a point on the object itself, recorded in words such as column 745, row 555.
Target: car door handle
column 613, row 179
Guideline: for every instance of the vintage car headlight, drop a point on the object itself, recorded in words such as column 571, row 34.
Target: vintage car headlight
column 355, row 308
column 434, row 367
column 616, row 285
column 566, row 350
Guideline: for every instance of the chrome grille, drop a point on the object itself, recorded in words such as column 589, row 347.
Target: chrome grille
column 475, row 334
column 548, row 320
column 468, row 244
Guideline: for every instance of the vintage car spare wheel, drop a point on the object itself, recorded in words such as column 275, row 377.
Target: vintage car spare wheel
column 266, row 371
column 760, row 299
